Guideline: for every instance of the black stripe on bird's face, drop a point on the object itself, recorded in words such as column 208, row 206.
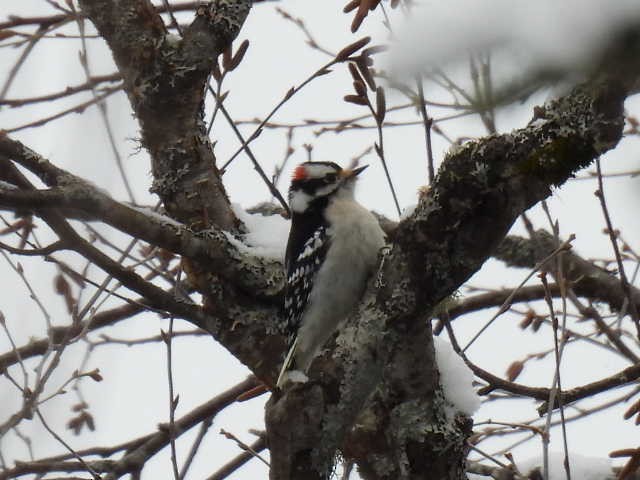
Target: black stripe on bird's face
column 313, row 182
column 313, row 185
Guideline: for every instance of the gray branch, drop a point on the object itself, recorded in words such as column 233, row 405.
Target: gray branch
column 165, row 79
column 210, row 248
column 587, row 279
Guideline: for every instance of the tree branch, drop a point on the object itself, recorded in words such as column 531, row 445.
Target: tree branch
column 138, row 451
column 240, row 321
column 481, row 188
column 78, row 198
column 623, row 377
column 57, row 334
column 587, row 279
column 164, row 78
column 235, row 463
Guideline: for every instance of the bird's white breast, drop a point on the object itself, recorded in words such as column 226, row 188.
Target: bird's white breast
column 355, row 239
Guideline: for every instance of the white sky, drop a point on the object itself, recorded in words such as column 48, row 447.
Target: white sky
column 133, row 396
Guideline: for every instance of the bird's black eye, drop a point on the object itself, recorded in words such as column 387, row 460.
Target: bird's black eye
column 330, row 178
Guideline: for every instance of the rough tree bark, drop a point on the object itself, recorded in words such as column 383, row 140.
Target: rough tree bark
column 374, row 396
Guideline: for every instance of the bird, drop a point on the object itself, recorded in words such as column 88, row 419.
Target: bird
column 333, row 247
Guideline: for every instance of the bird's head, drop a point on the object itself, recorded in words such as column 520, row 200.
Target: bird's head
column 314, row 183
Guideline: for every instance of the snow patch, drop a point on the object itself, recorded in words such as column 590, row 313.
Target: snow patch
column 157, row 217
column 407, row 211
column 266, row 235
column 456, row 379
column 295, row 376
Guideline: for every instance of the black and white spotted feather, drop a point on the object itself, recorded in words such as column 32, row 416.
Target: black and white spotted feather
column 302, row 262
column 301, row 272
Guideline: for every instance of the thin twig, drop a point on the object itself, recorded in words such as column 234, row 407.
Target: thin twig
column 556, row 388
column 428, row 123
column 379, row 148
column 93, row 473
column 288, row 152
column 92, row 83
column 102, row 108
column 17, row 267
column 173, row 399
column 217, row 95
column 15, row 351
column 237, row 462
column 613, row 337
column 299, row 22
column 614, row 243
column 23, row 58
column 507, row 303
column 256, row 165
column 75, row 109
column 484, row 108
column 488, row 456
column 558, row 345
column 44, row 21
column 243, row 445
column 174, row 23
column 195, row 446
column 323, row 70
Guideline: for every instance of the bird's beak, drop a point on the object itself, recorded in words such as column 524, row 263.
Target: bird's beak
column 347, row 173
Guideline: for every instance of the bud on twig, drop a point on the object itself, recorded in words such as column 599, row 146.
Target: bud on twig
column 353, row 70
column 356, row 99
column 347, row 51
column 352, row 5
column 360, row 88
column 237, row 58
column 95, row 375
column 361, row 62
column 514, row 370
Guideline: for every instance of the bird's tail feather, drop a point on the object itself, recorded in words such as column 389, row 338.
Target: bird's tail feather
column 287, row 363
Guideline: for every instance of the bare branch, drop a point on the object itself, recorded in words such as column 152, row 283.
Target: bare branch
column 138, row 451
column 234, row 464
column 90, row 84
column 211, row 248
column 165, row 81
column 587, row 279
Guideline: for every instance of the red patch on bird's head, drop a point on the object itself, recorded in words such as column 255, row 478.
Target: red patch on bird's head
column 300, row 173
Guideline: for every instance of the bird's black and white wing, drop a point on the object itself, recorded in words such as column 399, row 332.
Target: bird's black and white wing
column 304, row 259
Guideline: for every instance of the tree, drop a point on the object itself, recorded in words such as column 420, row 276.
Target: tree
column 374, row 397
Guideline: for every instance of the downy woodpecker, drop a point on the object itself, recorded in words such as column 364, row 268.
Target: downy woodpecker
column 332, row 249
